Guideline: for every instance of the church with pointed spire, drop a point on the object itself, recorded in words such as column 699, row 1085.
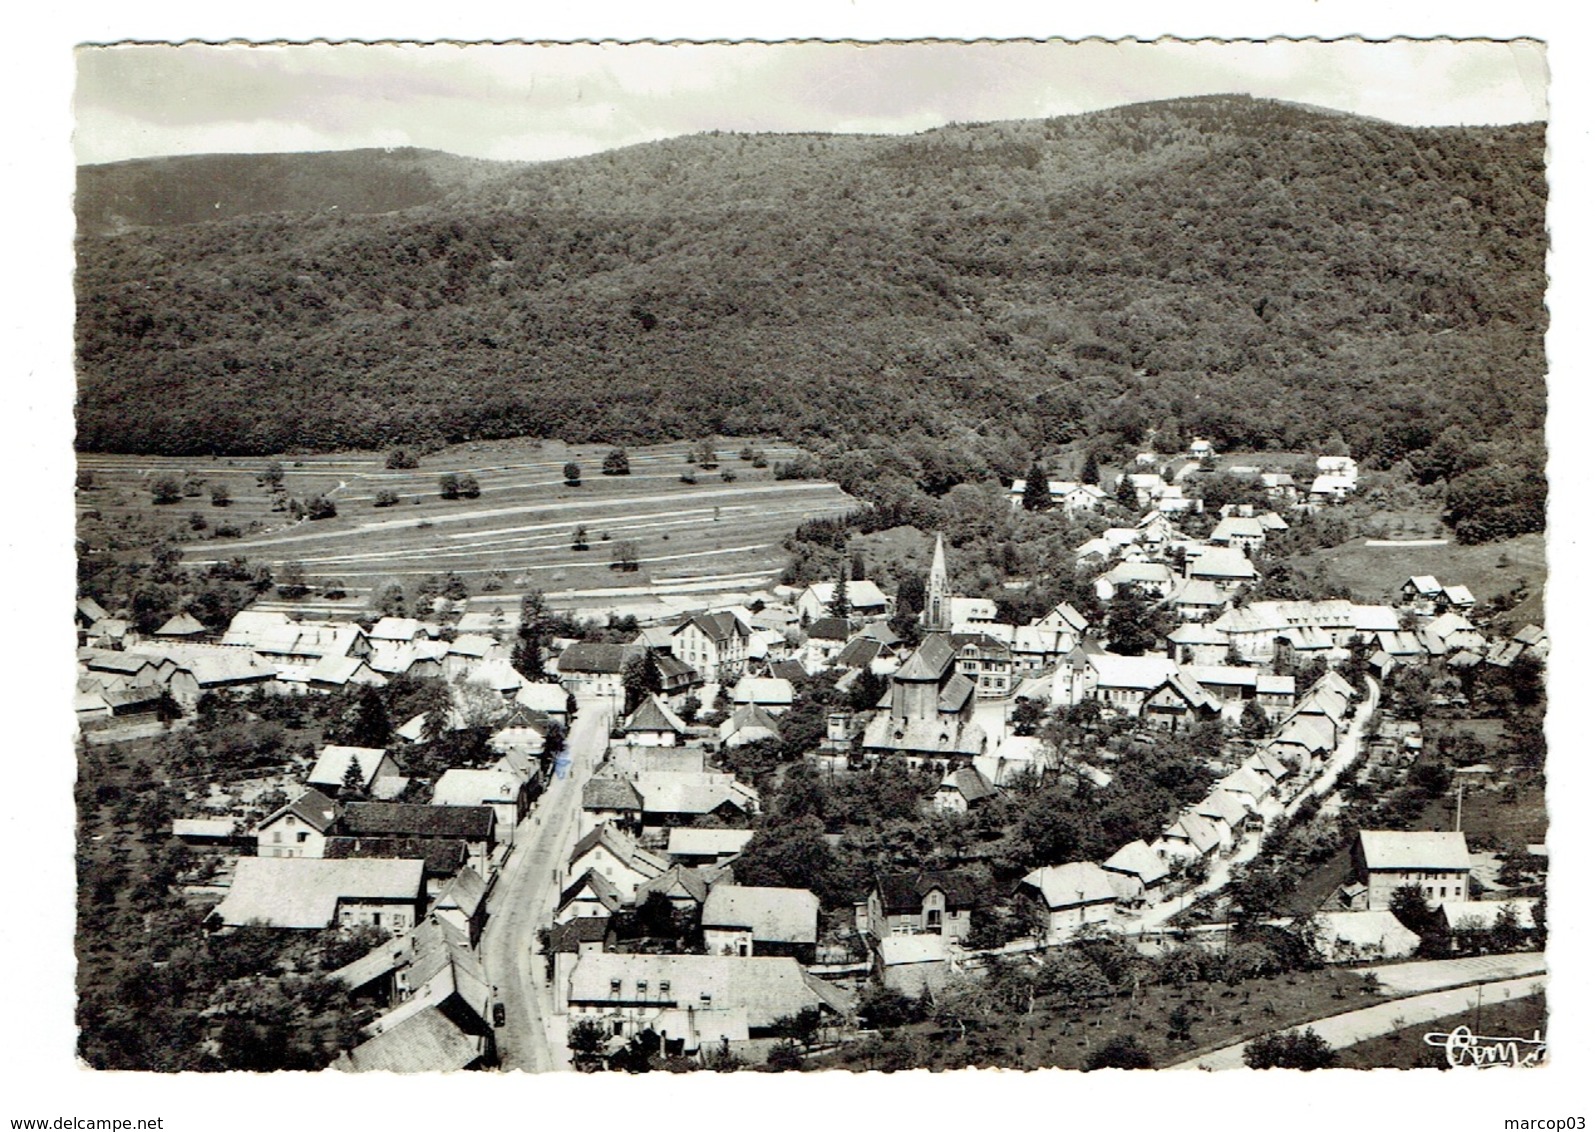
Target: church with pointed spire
column 938, row 606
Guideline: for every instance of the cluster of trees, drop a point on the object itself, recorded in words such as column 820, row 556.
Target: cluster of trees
column 1229, row 268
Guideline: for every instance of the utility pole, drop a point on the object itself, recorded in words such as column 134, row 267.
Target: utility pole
column 1459, row 807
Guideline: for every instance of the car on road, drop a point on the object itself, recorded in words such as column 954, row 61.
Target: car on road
column 498, row 1014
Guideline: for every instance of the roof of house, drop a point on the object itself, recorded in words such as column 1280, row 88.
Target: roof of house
column 466, row 892
column 1221, row 805
column 653, row 715
column 921, row 947
column 470, row 823
column 1425, row 585
column 1144, row 672
column 333, row 763
column 686, row 841
column 461, row 786
column 398, row 629
column 1465, row 913
column 767, row 987
column 788, row 670
column 763, row 690
column 1236, row 526
column 1138, row 859
column 1397, row 849
column 861, row 594
column 905, row 892
column 602, row 792
column 830, row 629
column 774, row 915
column 968, row 782
column 684, row 792
column 312, row 807
column 568, row 937
column 596, row 658
column 622, row 846
column 438, row 858
column 1373, row 929
column 602, row 888
column 1222, row 562
column 1197, row 633
column 1199, row 592
column 1071, row 885
column 304, row 892
column 689, row 882
column 185, row 624
column 1194, row 828
column 427, row 1041
column 718, row 627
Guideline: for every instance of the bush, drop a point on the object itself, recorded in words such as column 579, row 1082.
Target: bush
column 166, row 489
column 573, row 474
column 616, row 463
column 469, row 488
column 320, row 507
column 1122, row 1051
column 449, row 485
column 401, row 458
column 386, row 498
column 1294, row 1049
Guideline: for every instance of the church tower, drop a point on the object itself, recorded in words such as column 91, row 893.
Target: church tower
column 938, row 612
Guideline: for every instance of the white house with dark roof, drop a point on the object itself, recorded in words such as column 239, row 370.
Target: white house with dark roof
column 716, row 644
column 299, row 829
column 653, row 724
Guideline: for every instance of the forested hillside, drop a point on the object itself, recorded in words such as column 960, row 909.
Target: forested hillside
column 223, row 186
column 1259, row 273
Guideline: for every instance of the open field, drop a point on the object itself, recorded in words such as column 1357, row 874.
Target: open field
column 1375, row 573
column 1405, row 1048
column 518, row 532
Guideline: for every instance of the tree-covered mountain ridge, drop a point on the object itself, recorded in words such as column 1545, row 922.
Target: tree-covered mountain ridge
column 1257, row 272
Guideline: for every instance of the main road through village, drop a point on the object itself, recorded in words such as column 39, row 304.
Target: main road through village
column 524, row 898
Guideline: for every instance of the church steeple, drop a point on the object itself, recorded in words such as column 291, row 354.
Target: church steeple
column 938, row 615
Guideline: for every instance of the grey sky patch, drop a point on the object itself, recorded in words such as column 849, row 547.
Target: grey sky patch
column 537, row 102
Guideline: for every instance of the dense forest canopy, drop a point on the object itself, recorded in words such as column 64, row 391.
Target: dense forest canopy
column 1260, row 273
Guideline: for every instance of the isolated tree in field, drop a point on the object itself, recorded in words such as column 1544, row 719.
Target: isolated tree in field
column 386, row 497
column 858, row 569
column 746, row 452
column 449, row 485
column 1089, row 472
column 617, row 463
column 468, row 487
column 1038, row 492
column 219, row 495
column 705, row 454
column 1294, row 1049
column 166, row 489
column 401, row 458
column 291, row 580
column 623, row 556
column 454, row 587
column 320, row 507
column 389, row 600
column 759, row 459
column 578, row 538
column 573, row 474
column 272, row 476
column 334, row 590
column 196, row 521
